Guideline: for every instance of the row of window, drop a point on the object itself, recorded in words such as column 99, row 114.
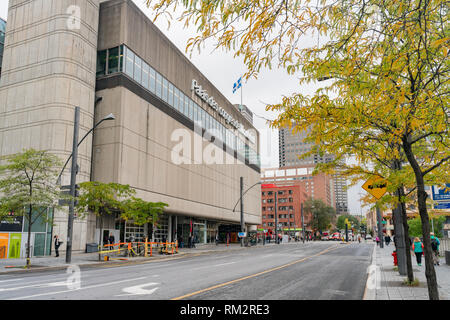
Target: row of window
column 122, row 59
column 281, row 192
column 281, row 208
column 284, row 224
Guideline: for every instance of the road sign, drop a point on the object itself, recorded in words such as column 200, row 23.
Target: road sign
column 441, row 196
column 242, row 234
column 376, row 187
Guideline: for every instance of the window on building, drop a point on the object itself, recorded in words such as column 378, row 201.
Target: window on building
column 170, row 97
column 152, row 84
column 113, row 60
column 145, row 74
column 165, row 88
column 129, row 62
column 101, row 63
column 158, row 85
column 137, row 69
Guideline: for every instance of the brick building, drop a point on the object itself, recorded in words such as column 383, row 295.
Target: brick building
column 288, row 208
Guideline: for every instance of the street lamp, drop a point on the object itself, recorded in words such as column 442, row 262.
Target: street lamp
column 73, row 176
column 242, row 205
column 108, row 117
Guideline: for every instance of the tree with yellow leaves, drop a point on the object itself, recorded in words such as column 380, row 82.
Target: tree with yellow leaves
column 385, row 62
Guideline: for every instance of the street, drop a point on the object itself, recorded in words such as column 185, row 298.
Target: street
column 294, row 271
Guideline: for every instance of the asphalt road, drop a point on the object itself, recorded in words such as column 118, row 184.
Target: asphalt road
column 294, row 271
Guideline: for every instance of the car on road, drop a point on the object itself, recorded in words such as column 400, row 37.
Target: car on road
column 336, row 236
column 368, row 237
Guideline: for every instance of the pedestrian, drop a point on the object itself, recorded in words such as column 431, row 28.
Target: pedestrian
column 57, row 244
column 217, row 239
column 418, row 250
column 377, row 239
column 111, row 241
column 435, row 247
column 387, row 239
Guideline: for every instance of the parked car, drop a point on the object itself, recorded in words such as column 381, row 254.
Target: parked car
column 336, row 236
column 368, row 237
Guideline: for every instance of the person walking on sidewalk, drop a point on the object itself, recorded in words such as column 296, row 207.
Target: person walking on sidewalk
column 57, row 244
column 435, row 247
column 387, row 239
column 377, row 239
column 417, row 246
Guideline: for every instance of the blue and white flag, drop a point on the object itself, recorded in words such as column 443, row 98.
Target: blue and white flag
column 237, row 84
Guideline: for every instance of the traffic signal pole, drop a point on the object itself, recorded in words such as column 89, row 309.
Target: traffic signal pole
column 380, row 227
column 73, row 177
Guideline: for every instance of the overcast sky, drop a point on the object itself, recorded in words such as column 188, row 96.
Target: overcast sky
column 223, row 70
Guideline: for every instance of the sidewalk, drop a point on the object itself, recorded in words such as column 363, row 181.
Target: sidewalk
column 389, row 284
column 91, row 259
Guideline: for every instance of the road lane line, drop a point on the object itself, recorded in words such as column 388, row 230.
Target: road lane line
column 255, row 275
column 82, row 288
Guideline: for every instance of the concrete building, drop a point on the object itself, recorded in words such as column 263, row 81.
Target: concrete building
column 63, row 54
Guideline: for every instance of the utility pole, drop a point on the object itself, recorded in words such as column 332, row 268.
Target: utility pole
column 303, row 226
column 380, row 226
column 242, row 211
column 276, row 220
column 73, row 177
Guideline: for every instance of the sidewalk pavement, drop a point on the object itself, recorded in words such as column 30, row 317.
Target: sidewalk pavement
column 385, row 283
column 91, row 259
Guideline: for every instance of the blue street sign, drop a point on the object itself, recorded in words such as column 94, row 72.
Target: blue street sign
column 442, row 205
column 441, row 194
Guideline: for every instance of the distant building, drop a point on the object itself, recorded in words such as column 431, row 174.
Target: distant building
column 288, row 208
column 292, row 147
column 319, row 186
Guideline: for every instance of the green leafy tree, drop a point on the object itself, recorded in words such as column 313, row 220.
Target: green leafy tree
column 28, row 187
column 141, row 212
column 388, row 61
column 415, row 226
column 340, row 224
column 103, row 199
column 322, row 215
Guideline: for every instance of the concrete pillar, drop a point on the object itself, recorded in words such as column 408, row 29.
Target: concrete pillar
column 49, row 68
column 169, row 228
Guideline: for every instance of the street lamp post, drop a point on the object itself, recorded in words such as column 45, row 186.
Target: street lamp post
column 303, row 226
column 73, row 176
column 241, row 199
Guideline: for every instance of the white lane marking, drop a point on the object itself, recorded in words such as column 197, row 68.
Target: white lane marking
column 139, row 289
column 215, row 265
column 82, row 288
column 1, row 281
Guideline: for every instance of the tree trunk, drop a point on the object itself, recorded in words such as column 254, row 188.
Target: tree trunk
column 421, row 201
column 29, row 237
column 406, row 234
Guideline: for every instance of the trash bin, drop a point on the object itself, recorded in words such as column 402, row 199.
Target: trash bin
column 91, row 247
column 447, row 257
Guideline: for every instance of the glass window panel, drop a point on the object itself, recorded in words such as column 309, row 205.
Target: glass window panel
column 165, row 87
column 145, row 70
column 121, row 58
column 158, row 84
column 152, row 84
column 101, row 63
column 176, row 98
column 129, row 63
column 113, row 60
column 170, row 97
column 186, row 106
column 203, row 118
column 137, row 69
column 196, row 112
column 191, row 109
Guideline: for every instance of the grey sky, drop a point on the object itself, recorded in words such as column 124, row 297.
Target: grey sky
column 223, row 70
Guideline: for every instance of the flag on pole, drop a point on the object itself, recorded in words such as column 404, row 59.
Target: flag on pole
column 237, row 84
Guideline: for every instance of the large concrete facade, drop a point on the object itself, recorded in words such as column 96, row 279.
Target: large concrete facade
column 48, row 69
column 137, row 148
